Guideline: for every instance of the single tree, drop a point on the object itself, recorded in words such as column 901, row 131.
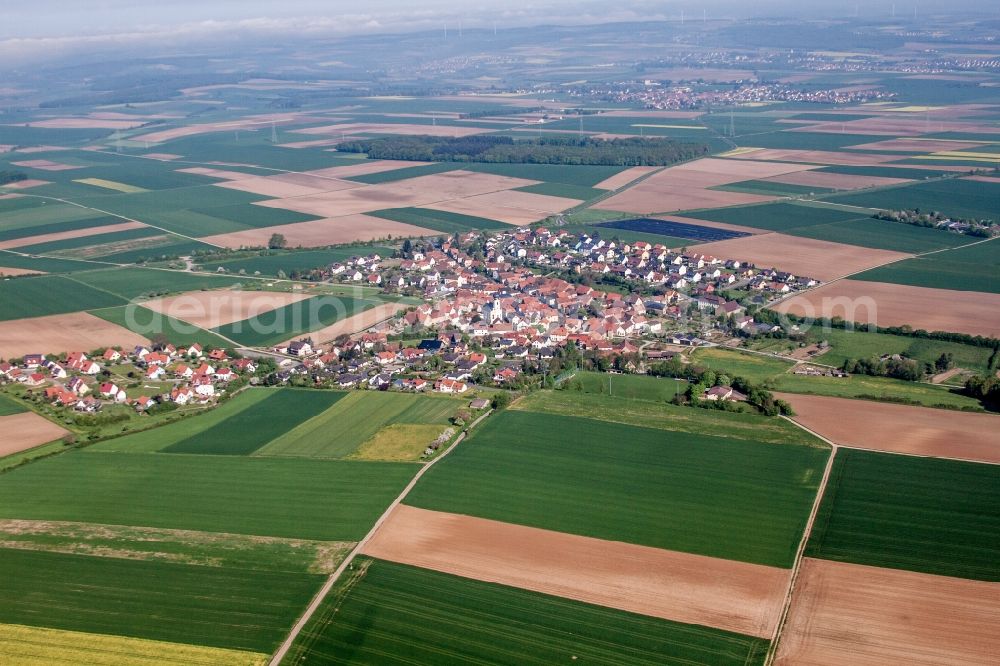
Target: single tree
column 277, row 242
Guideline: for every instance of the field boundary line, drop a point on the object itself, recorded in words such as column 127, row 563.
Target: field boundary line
column 317, row 600
column 806, row 533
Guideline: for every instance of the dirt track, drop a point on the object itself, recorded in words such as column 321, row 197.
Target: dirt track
column 866, row 616
column 881, row 426
column 26, row 431
column 969, row 312
column 734, row 596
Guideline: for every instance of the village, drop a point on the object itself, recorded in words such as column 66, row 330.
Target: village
column 498, row 309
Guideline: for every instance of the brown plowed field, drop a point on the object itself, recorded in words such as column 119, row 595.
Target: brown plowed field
column 881, row 426
column 46, row 165
column 24, row 184
column 886, row 304
column 26, row 431
column 218, row 173
column 836, row 181
column 807, row 257
column 76, row 233
column 318, row 233
column 356, row 323
column 252, row 122
column 653, row 113
column 288, row 185
column 815, row 157
column 53, row 334
column 624, row 178
column 685, row 187
column 725, row 594
column 86, row 123
column 393, row 128
column 896, row 126
column 984, row 179
column 363, row 168
column 418, row 191
column 163, row 157
column 209, row 309
column 866, row 616
column 11, row 272
column 515, row 216
column 542, row 204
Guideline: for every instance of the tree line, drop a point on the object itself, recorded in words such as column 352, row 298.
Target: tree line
column 543, row 150
column 7, row 177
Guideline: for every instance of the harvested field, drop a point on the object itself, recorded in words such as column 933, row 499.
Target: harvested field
column 357, row 323
column 86, row 123
column 393, row 128
column 887, row 304
column 13, row 272
column 870, row 616
column 685, row 187
column 813, row 157
column 24, row 184
column 818, row 259
column 418, row 191
column 45, row 165
column 25, row 431
column 318, row 233
column 62, row 332
column 542, row 204
column 624, row 178
column 209, row 309
column 724, row 594
column 162, row 157
column 287, row 185
column 917, row 145
column 881, row 426
column 835, row 181
column 984, row 179
column 75, row 233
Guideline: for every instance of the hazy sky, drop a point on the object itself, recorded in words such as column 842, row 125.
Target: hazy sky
column 35, row 29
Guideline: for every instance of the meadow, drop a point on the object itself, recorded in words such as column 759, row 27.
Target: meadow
column 339, row 431
column 49, row 295
column 664, row 416
column 968, row 268
column 865, row 387
column 10, row 406
column 633, row 387
column 384, row 612
column 903, row 512
column 755, row 368
column 439, row 220
column 209, row 606
column 248, row 430
column 306, row 499
column 721, row 497
column 172, row 246
column 295, row 319
column 862, row 344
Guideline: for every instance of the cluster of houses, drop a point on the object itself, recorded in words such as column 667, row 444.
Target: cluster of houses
column 191, row 374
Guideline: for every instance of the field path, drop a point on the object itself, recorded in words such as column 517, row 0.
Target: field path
column 772, row 651
column 314, row 605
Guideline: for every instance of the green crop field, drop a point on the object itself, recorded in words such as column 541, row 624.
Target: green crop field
column 392, row 613
column 404, row 173
column 615, row 409
column 9, row 406
column 11, row 232
column 294, row 319
column 565, row 190
column 862, row 344
column 341, row 429
column 883, row 235
column 231, row 608
column 887, row 171
column 49, row 295
column 753, row 367
column 325, row 500
column 634, row 387
column 967, row 268
column 957, row 197
column 729, row 498
column 10, row 259
column 862, row 386
column 439, row 220
column 246, row 431
column 150, row 324
column 306, row 260
column 774, row 216
column 135, row 282
column 905, row 512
